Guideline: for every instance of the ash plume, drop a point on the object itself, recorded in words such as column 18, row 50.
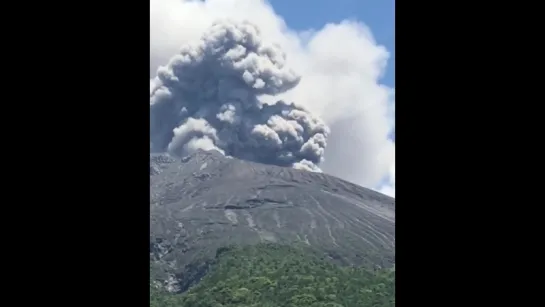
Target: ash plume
column 207, row 97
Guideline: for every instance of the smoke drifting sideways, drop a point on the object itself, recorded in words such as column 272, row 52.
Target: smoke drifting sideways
column 208, row 97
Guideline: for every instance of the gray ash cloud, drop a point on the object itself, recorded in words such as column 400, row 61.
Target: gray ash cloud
column 208, row 97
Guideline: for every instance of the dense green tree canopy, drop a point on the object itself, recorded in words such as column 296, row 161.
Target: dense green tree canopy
column 270, row 275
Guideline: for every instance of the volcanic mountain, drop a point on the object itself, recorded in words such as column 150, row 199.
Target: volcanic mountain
column 206, row 201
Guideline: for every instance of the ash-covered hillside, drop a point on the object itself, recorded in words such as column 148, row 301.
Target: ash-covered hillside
column 205, row 201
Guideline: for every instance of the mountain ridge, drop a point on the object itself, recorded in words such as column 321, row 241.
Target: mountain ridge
column 206, row 201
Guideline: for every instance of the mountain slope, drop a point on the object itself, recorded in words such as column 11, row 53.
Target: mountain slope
column 206, row 201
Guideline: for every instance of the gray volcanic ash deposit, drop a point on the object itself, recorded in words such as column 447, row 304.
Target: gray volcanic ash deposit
column 205, row 201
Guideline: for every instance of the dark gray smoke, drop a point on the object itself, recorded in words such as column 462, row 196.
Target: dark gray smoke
column 207, row 97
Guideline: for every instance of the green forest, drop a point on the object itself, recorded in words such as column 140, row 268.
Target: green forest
column 270, row 275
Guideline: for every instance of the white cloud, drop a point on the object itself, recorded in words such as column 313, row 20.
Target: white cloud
column 340, row 66
column 389, row 188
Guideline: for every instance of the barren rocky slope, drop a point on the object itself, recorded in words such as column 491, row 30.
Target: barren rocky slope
column 205, row 201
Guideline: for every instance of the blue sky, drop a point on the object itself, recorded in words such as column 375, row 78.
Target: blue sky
column 379, row 15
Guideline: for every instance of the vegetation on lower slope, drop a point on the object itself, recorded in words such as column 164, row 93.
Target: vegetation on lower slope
column 269, row 275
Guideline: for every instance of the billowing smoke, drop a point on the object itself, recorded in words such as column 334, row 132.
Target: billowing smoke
column 208, row 97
